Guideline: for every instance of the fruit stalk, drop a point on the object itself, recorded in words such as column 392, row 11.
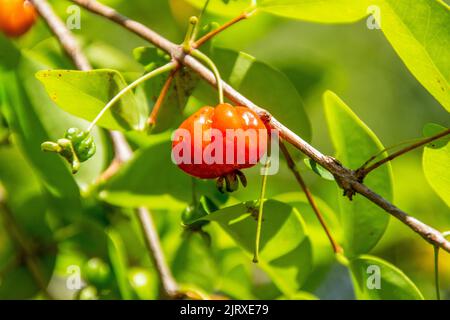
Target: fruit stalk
column 167, row 67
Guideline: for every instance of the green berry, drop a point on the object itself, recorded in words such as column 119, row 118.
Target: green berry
column 97, row 272
column 88, row 293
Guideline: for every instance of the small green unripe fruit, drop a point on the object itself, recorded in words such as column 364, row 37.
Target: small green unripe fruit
column 77, row 146
column 83, row 143
column 88, row 293
column 97, row 272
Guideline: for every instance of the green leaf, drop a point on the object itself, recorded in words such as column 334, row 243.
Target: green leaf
column 301, row 295
column 118, row 258
column 420, row 32
column 33, row 118
column 436, row 163
column 26, row 208
column 150, row 57
column 393, row 283
column 31, row 113
column 325, row 11
column 182, row 86
column 23, row 118
column 261, row 83
column 194, row 263
column 431, row 129
column 363, row 222
column 285, row 249
column 226, row 8
column 236, row 268
column 93, row 90
column 323, row 255
column 102, row 55
column 318, row 169
column 151, row 179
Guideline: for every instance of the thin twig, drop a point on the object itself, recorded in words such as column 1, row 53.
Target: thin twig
column 436, row 272
column 362, row 172
column 213, row 33
column 261, row 210
column 170, row 287
column 344, row 176
column 200, row 17
column 167, row 67
column 151, row 121
column 122, row 149
column 292, row 166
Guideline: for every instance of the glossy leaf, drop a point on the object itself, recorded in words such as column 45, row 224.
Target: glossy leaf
column 318, row 169
column 376, row 279
column 34, row 118
column 94, row 89
column 22, row 116
column 261, row 83
column 328, row 11
column 363, row 222
column 322, row 250
column 436, row 163
column 301, row 295
column 56, row 121
column 419, row 34
column 226, row 8
column 285, row 249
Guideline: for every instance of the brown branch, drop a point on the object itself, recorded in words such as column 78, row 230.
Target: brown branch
column 213, row 33
column 122, row 149
column 123, row 153
column 362, row 172
column 291, row 164
column 430, row 234
column 170, row 287
column 345, row 177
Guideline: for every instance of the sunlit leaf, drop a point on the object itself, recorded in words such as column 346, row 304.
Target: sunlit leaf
column 118, row 258
column 420, row 32
column 436, row 163
column 376, row 279
column 22, row 116
column 322, row 249
column 318, row 169
column 285, row 249
column 328, row 11
column 94, row 89
column 363, row 222
column 227, row 8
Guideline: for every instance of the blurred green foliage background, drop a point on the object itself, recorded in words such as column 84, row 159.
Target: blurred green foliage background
column 355, row 62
